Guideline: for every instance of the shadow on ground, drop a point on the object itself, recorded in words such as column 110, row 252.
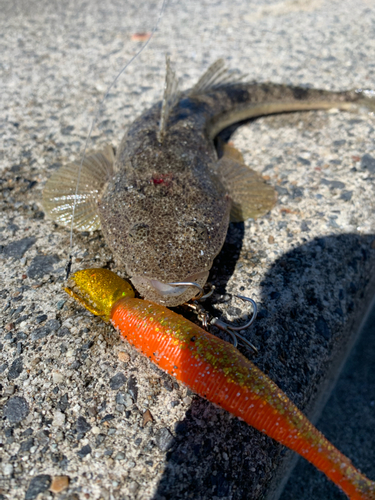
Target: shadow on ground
column 348, row 420
column 311, row 300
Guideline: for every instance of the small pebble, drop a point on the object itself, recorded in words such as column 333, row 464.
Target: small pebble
column 3, row 367
column 35, row 361
column 63, row 331
column 58, row 419
column 132, row 388
column 128, row 401
column 82, row 425
column 43, row 331
column 120, row 398
column 147, row 417
column 133, row 487
column 100, row 439
column 16, row 409
column 7, row 469
column 37, row 485
column 59, row 436
column 368, row 163
column 88, row 344
column 117, row 381
column 41, row 265
column 85, row 450
column 107, row 418
column 92, row 411
column 164, row 439
column 124, row 357
column 41, row 318
column 16, row 249
column 43, row 438
column 58, row 378
column 59, row 483
column 187, row 400
column 27, row 445
column 60, row 304
column 9, row 390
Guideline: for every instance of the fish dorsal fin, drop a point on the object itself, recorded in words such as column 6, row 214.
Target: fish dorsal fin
column 251, row 195
column 59, row 191
column 215, row 77
column 169, row 98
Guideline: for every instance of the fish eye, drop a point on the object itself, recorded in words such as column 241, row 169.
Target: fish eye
column 198, row 229
column 139, row 232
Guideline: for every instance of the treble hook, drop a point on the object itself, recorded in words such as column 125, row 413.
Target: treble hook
column 206, row 320
column 233, row 330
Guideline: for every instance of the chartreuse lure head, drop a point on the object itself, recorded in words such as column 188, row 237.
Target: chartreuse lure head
column 98, row 289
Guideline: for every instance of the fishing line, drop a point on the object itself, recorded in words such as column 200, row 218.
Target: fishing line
column 68, row 266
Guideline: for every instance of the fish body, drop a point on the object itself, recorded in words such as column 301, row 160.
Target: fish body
column 165, row 200
column 165, row 213
column 216, row 371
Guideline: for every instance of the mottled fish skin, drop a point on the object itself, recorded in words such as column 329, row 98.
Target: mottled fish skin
column 165, row 213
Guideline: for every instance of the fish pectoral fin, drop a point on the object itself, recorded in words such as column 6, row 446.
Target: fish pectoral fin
column 251, row 195
column 60, row 190
column 215, row 77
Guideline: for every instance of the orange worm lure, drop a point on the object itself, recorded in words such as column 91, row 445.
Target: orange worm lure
column 215, row 370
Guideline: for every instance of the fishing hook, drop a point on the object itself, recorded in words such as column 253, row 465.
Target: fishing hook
column 201, row 295
column 206, row 320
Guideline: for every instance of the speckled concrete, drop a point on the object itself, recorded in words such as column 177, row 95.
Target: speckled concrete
column 351, row 406
column 73, row 395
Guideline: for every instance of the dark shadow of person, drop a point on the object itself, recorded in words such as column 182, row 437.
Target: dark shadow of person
column 313, row 300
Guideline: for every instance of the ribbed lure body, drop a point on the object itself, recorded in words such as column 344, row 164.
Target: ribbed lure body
column 217, row 371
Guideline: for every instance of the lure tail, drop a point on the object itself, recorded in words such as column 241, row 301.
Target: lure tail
column 216, row 371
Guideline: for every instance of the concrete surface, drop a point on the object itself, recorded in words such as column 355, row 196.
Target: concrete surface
column 348, row 420
column 73, row 396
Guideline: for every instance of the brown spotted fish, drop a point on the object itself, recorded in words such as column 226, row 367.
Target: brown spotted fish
column 164, row 201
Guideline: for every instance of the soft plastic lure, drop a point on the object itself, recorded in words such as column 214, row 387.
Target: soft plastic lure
column 215, row 370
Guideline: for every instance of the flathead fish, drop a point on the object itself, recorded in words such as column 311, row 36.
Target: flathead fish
column 165, row 199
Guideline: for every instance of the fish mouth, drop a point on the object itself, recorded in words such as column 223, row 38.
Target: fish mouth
column 167, row 294
column 168, row 290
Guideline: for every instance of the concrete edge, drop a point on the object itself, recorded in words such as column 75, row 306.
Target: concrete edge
column 324, row 391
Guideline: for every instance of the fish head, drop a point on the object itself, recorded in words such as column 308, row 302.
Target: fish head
column 164, row 228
